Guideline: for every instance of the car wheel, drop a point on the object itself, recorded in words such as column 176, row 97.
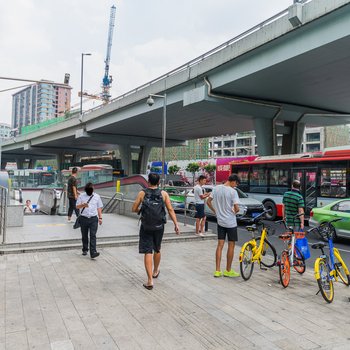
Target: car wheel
column 269, row 205
column 192, row 210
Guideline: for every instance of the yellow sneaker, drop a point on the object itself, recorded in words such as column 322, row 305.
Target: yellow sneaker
column 217, row 274
column 231, row 273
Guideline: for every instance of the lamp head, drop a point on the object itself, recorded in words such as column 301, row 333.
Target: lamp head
column 150, row 101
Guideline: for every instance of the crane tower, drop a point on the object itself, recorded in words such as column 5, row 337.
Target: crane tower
column 107, row 79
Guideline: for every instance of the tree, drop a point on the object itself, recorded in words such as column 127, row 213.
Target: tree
column 173, row 169
column 193, row 168
column 210, row 169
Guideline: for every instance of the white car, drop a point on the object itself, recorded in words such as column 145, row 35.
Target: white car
column 248, row 209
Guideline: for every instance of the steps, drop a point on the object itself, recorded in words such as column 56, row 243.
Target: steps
column 54, row 245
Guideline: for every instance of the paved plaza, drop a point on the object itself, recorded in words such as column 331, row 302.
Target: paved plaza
column 62, row 300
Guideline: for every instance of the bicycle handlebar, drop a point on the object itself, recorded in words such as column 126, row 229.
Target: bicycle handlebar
column 325, row 235
column 261, row 214
column 285, row 223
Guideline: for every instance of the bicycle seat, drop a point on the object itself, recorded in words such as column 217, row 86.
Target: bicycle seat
column 251, row 228
column 284, row 236
column 318, row 245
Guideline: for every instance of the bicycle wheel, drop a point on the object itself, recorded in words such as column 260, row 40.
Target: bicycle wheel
column 268, row 254
column 324, row 281
column 298, row 261
column 284, row 269
column 341, row 269
column 246, row 263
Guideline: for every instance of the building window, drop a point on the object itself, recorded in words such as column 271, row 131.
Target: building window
column 313, row 137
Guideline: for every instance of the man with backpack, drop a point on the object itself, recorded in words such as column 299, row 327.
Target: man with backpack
column 153, row 202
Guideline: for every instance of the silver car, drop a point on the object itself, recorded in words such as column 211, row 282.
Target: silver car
column 248, row 208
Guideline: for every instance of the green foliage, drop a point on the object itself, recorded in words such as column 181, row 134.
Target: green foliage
column 210, row 168
column 173, row 169
column 193, row 168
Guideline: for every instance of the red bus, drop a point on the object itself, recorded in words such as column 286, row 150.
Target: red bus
column 223, row 167
column 324, row 176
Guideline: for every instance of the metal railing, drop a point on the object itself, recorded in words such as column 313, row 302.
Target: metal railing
column 118, row 201
column 3, row 212
column 113, row 203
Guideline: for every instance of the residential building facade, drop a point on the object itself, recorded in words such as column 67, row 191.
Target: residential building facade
column 39, row 102
column 5, row 131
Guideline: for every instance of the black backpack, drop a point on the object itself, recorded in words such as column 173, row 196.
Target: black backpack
column 153, row 216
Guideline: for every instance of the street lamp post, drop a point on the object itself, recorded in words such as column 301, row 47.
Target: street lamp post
column 150, row 102
column 81, row 82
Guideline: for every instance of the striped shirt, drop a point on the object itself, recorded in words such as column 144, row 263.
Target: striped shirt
column 292, row 201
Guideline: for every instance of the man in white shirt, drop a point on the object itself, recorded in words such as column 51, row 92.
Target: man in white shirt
column 199, row 199
column 91, row 205
column 224, row 202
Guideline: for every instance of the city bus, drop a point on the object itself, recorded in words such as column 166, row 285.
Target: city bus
column 32, row 178
column 95, row 173
column 324, row 177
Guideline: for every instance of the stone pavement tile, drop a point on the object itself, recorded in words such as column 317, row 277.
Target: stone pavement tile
column 16, row 341
column 81, row 340
column 98, row 333
column 62, row 345
column 102, row 305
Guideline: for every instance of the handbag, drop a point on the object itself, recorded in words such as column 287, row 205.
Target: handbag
column 302, row 244
column 77, row 223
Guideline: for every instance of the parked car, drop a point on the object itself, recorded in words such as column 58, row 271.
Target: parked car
column 177, row 197
column 248, row 209
column 334, row 210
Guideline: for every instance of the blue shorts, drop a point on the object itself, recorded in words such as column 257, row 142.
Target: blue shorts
column 200, row 214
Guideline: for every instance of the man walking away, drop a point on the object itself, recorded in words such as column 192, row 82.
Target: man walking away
column 199, row 199
column 72, row 194
column 224, row 202
column 153, row 217
column 91, row 205
column 293, row 205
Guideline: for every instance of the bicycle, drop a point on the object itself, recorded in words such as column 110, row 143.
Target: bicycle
column 328, row 268
column 257, row 249
column 291, row 254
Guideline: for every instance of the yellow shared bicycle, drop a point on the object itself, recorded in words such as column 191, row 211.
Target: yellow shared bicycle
column 258, row 249
column 329, row 268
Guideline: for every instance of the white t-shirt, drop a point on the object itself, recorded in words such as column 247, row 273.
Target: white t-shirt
column 224, row 199
column 94, row 203
column 198, row 191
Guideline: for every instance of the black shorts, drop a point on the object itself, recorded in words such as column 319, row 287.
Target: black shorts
column 150, row 241
column 200, row 211
column 231, row 233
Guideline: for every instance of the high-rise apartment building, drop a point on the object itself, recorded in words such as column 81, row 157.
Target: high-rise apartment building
column 5, row 131
column 39, row 102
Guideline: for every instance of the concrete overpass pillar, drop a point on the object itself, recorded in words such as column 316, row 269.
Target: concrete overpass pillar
column 264, row 136
column 291, row 142
column 143, row 158
column 125, row 156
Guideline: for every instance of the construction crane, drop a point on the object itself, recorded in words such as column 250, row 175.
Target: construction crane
column 107, row 79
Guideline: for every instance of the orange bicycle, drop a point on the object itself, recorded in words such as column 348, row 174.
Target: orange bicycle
column 291, row 255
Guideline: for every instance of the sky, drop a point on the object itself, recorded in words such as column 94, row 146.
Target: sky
column 44, row 39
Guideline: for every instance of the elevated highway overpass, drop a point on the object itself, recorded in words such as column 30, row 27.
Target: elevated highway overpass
column 289, row 71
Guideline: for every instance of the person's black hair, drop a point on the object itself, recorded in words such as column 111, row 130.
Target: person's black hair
column 89, row 188
column 201, row 177
column 153, row 179
column 296, row 184
column 234, row 177
column 74, row 170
